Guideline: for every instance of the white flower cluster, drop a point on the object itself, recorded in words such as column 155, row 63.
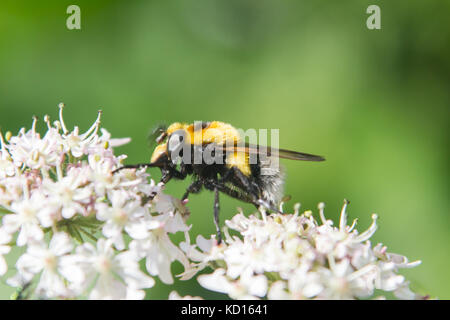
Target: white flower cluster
column 84, row 230
column 292, row 256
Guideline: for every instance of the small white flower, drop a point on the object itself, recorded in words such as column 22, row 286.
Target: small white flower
column 157, row 247
column 40, row 258
column 208, row 252
column 256, row 284
column 278, row 291
column 166, row 204
column 159, row 252
column 29, row 149
column 101, row 175
column 216, row 281
column 25, row 219
column 173, row 295
column 7, row 167
column 305, row 285
column 246, row 290
column 111, row 275
column 68, row 195
column 5, row 238
column 106, row 138
column 74, row 142
column 124, row 214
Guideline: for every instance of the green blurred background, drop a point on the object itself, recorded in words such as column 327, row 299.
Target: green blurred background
column 375, row 103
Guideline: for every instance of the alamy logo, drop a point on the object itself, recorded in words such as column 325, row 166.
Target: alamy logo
column 374, row 20
column 74, row 20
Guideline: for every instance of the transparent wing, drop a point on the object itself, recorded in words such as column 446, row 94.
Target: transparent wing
column 272, row 152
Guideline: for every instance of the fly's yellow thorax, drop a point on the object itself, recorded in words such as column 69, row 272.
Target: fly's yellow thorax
column 221, row 133
column 240, row 161
column 176, row 126
column 215, row 132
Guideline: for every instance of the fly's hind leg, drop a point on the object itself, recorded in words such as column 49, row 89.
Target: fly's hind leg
column 254, row 192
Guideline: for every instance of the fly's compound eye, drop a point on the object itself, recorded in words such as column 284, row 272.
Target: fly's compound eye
column 175, row 145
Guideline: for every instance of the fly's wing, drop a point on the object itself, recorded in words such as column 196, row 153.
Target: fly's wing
column 272, row 152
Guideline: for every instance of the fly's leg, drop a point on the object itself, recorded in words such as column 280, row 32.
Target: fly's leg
column 254, row 192
column 133, row 166
column 194, row 187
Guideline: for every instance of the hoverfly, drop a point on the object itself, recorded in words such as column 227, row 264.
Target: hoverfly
column 234, row 174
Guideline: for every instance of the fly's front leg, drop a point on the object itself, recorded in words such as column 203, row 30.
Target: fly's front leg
column 132, row 166
column 170, row 172
column 166, row 175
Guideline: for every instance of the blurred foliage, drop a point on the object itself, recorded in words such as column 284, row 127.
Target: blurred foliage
column 375, row 103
